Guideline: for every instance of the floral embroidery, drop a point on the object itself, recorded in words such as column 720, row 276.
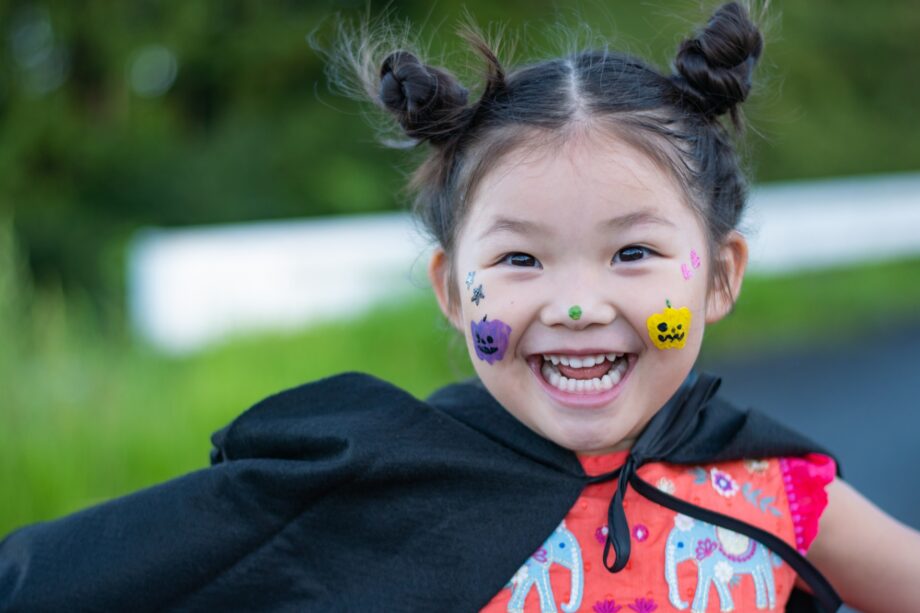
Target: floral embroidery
column 723, row 483
column 640, row 532
column 763, row 503
column 606, row 606
column 757, row 467
column 600, row 535
column 723, row 571
column 666, row 485
column 705, row 548
column 643, row 605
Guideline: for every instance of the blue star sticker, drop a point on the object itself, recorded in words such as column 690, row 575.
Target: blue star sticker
column 478, row 295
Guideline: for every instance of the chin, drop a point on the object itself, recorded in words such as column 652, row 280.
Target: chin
column 589, row 440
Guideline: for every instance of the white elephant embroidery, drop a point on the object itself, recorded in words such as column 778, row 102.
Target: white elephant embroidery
column 560, row 548
column 720, row 554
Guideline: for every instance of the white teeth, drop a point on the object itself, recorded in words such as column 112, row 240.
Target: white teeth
column 557, row 380
column 579, row 361
column 617, row 373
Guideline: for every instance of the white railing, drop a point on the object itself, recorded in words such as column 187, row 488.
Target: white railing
column 189, row 287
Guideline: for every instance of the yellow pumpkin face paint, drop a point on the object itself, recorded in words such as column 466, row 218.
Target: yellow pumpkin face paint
column 668, row 329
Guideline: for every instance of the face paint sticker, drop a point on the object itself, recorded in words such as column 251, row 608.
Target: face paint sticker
column 478, row 295
column 694, row 264
column 668, row 329
column 575, row 313
column 490, row 339
column 470, row 276
column 694, row 259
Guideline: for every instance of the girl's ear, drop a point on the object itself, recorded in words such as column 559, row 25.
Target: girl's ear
column 439, row 275
column 732, row 260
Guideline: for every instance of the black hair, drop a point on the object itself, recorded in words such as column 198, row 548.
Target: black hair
column 682, row 120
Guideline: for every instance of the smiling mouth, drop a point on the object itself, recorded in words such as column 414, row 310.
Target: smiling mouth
column 584, row 374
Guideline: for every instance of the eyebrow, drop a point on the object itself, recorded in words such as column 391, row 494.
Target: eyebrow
column 524, row 227
column 637, row 218
column 514, row 226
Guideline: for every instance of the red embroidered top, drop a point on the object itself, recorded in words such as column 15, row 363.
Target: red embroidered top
column 677, row 561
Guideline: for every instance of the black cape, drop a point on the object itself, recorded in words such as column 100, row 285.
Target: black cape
column 349, row 494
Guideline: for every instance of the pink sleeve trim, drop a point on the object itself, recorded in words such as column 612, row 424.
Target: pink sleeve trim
column 805, row 479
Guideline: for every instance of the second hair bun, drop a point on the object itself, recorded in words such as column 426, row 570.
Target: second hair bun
column 714, row 68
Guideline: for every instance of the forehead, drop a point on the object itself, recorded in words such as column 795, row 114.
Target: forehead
column 586, row 182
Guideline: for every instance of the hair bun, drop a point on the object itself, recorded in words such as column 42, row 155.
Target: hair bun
column 714, row 68
column 427, row 101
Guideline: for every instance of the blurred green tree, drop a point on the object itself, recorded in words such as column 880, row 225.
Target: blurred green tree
column 116, row 115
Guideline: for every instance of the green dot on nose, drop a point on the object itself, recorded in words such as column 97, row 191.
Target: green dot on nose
column 575, row 312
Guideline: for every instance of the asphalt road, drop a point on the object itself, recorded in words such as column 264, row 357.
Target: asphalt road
column 861, row 400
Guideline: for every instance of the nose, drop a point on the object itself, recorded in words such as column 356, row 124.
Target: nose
column 582, row 309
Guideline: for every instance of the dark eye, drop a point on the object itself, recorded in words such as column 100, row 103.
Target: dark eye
column 521, row 259
column 632, row 253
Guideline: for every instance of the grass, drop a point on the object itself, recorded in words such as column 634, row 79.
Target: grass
column 87, row 416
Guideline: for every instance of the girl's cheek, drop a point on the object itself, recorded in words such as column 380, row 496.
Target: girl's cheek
column 489, row 336
column 669, row 326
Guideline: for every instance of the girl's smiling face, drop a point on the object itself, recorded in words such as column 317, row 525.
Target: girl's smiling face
column 593, row 226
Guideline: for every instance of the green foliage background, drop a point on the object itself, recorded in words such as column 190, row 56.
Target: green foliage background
column 249, row 129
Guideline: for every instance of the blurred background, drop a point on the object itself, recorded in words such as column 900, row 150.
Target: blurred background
column 124, row 126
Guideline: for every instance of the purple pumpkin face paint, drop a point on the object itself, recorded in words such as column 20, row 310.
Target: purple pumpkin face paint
column 490, row 339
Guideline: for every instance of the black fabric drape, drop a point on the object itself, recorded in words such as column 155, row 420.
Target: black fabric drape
column 348, row 494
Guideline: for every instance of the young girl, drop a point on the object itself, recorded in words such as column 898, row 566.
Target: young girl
column 584, row 210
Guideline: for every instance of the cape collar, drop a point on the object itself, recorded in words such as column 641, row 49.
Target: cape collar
column 666, row 433
column 672, row 427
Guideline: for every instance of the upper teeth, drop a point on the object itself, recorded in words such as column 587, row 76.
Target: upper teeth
column 596, row 384
column 581, row 361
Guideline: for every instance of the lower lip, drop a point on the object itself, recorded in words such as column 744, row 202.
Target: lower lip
column 582, row 400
